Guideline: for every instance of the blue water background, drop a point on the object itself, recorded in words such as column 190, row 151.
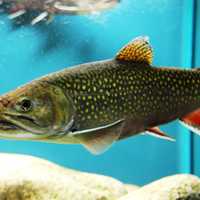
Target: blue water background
column 28, row 52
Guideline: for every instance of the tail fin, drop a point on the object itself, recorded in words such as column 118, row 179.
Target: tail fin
column 88, row 6
column 192, row 121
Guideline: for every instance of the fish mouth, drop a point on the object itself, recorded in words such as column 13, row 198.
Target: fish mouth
column 18, row 126
column 5, row 125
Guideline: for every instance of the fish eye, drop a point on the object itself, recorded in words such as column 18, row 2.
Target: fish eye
column 24, row 105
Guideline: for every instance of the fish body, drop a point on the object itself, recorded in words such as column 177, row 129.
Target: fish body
column 48, row 8
column 98, row 103
column 145, row 96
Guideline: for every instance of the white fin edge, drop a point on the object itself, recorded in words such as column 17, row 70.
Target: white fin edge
column 17, row 14
column 39, row 18
column 159, row 136
column 144, row 38
column 191, row 128
column 94, row 129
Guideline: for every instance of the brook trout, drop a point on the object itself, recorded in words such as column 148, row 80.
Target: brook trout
column 96, row 104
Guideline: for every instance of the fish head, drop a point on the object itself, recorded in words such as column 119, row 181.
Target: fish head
column 35, row 111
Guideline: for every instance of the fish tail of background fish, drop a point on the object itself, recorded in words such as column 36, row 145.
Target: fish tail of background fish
column 47, row 8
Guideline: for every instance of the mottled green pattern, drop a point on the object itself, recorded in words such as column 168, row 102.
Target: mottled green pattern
column 176, row 187
column 33, row 178
column 104, row 92
column 191, row 197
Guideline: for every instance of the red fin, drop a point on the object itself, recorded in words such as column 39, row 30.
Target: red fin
column 156, row 132
column 192, row 118
column 192, row 121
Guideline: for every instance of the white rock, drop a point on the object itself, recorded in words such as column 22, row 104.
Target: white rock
column 168, row 188
column 29, row 178
column 130, row 188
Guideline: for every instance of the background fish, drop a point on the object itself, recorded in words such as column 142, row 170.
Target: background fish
column 96, row 104
column 48, row 8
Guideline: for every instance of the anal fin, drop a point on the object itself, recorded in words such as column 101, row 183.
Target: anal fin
column 156, row 132
column 192, row 121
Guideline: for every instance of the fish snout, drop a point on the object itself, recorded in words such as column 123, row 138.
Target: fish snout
column 4, row 103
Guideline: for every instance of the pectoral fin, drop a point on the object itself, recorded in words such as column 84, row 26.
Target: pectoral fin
column 192, row 121
column 156, row 132
column 100, row 139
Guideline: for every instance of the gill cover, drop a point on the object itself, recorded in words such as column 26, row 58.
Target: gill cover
column 62, row 108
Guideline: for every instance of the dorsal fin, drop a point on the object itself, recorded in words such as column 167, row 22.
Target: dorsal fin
column 139, row 50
